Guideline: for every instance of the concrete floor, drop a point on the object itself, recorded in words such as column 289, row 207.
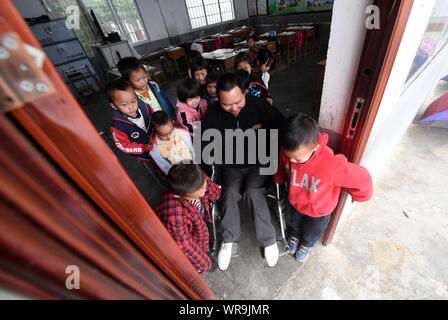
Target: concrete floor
column 392, row 247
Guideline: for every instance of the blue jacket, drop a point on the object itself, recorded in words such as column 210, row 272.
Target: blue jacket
column 161, row 98
column 128, row 137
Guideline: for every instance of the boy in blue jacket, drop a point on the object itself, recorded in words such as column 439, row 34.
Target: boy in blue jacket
column 146, row 90
column 130, row 127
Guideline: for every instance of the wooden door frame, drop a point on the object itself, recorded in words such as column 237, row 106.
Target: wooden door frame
column 60, row 127
column 377, row 58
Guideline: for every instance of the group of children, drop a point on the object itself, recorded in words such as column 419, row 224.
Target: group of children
column 147, row 126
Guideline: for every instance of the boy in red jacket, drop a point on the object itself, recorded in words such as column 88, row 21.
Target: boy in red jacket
column 316, row 176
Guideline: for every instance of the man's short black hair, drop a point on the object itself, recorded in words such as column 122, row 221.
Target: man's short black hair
column 116, row 84
column 189, row 88
column 242, row 57
column 185, row 178
column 298, row 131
column 228, row 81
column 265, row 57
column 128, row 65
column 198, row 63
column 159, row 118
column 212, row 76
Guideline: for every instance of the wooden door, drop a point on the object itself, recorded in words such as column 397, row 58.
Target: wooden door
column 378, row 55
column 66, row 200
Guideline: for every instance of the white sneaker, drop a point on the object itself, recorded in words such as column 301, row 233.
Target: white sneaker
column 224, row 255
column 271, row 255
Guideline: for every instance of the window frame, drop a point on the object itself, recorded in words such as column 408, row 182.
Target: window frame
column 232, row 2
column 121, row 28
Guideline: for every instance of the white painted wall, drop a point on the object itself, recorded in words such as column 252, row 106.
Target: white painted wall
column 152, row 18
column 347, row 33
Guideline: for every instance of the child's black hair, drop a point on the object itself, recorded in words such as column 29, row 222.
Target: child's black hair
column 228, row 81
column 185, row 178
column 128, row 65
column 194, row 54
column 300, row 130
column 198, row 63
column 212, row 76
column 243, row 78
column 264, row 57
column 159, row 118
column 189, row 88
column 251, row 36
column 117, row 84
column 242, row 57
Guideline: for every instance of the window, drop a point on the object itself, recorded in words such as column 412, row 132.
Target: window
column 119, row 16
column 434, row 39
column 84, row 34
column 206, row 12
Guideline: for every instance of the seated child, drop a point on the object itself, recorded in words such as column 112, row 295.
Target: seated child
column 185, row 207
column 256, row 87
column 147, row 90
column 190, row 105
column 316, row 176
column 253, row 48
column 263, row 63
column 199, row 70
column 194, row 54
column 130, row 120
column 169, row 144
column 210, row 85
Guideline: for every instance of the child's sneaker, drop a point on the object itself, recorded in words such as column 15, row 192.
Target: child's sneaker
column 303, row 253
column 292, row 245
column 224, row 255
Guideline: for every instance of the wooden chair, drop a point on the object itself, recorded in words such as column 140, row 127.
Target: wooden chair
column 288, row 47
column 78, row 80
column 157, row 75
column 272, row 47
column 158, row 56
column 227, row 41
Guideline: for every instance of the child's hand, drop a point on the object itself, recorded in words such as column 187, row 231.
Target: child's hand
column 270, row 100
column 256, row 126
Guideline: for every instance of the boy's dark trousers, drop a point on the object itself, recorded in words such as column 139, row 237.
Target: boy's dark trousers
column 246, row 184
column 307, row 229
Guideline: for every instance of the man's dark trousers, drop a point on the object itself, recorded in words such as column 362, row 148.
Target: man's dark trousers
column 247, row 184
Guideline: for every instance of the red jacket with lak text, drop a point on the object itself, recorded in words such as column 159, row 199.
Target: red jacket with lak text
column 314, row 186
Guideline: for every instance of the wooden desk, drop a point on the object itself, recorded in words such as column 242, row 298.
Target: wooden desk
column 227, row 62
column 158, row 56
column 174, row 55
